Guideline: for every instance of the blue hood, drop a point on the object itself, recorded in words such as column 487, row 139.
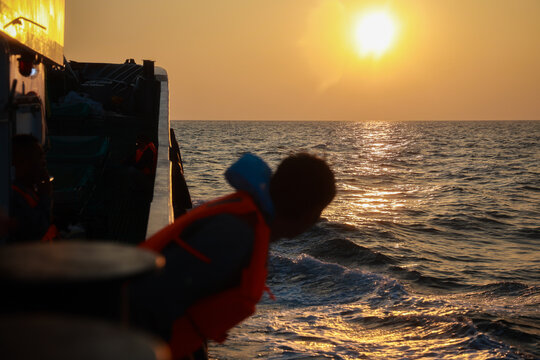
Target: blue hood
column 251, row 174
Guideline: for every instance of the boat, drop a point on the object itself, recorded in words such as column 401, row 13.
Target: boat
column 88, row 117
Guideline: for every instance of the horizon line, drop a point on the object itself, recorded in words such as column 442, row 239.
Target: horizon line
column 365, row 120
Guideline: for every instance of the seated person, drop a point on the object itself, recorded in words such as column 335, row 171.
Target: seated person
column 145, row 155
column 142, row 167
column 31, row 191
column 216, row 254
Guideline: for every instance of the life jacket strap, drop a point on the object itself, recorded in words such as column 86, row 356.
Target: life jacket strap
column 270, row 294
column 190, row 249
column 31, row 200
column 139, row 153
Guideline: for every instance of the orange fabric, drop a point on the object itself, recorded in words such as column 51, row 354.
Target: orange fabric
column 51, row 234
column 213, row 316
column 154, row 153
column 31, row 199
column 199, row 255
column 139, row 153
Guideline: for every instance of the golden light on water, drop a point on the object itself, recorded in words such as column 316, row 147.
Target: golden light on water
column 374, row 33
column 355, row 331
column 361, row 199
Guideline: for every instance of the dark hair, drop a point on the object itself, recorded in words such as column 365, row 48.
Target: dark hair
column 301, row 183
column 22, row 145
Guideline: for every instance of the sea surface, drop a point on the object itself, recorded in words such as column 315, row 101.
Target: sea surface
column 431, row 248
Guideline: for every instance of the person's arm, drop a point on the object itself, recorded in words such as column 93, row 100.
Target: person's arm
column 30, row 224
column 146, row 161
column 157, row 301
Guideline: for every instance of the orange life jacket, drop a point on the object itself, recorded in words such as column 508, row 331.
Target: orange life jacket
column 50, row 234
column 32, row 200
column 139, row 153
column 212, row 316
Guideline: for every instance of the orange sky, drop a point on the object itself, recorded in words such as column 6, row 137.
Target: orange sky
column 293, row 59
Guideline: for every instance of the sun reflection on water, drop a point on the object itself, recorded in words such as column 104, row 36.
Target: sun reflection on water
column 417, row 205
column 366, row 192
column 359, row 331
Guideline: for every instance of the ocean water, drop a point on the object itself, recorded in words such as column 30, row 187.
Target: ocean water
column 431, row 248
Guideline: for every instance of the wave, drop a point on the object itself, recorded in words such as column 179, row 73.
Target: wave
column 507, row 329
column 325, row 243
column 531, row 188
column 425, row 325
column 306, row 281
column 524, row 336
column 495, row 348
column 469, row 223
column 506, row 289
column 529, row 232
column 499, row 214
column 335, row 226
column 417, row 278
column 346, row 252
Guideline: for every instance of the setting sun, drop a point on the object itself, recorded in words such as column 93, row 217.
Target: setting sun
column 374, row 33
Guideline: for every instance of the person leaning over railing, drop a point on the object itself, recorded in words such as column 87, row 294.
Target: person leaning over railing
column 216, row 254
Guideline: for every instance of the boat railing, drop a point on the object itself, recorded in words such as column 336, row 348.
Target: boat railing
column 161, row 209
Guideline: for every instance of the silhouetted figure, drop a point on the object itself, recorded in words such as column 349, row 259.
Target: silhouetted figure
column 142, row 168
column 145, row 155
column 216, row 253
column 31, row 191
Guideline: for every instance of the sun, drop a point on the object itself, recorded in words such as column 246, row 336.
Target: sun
column 374, row 33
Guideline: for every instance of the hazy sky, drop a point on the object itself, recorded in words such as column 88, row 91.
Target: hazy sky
column 296, row 60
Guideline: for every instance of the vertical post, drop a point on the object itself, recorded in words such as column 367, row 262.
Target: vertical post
column 148, row 69
column 151, row 100
column 5, row 134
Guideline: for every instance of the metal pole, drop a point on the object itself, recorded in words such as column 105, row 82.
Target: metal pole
column 5, row 135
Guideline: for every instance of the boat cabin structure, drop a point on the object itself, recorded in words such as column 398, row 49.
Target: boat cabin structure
column 88, row 118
